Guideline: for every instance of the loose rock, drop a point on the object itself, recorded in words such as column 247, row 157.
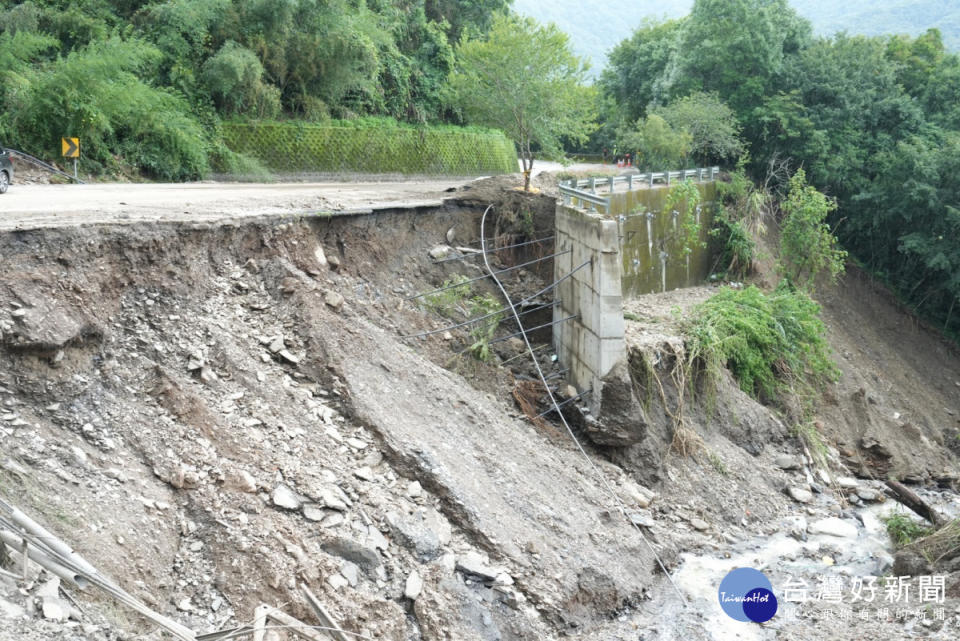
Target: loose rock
column 833, row 526
column 800, row 495
column 284, row 497
column 413, row 586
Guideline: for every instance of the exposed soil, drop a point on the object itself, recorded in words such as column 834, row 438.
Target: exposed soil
column 214, row 415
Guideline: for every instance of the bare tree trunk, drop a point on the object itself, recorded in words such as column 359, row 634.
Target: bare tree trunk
column 905, row 495
column 527, row 164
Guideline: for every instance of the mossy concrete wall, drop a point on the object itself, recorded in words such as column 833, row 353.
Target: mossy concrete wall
column 637, row 248
column 652, row 256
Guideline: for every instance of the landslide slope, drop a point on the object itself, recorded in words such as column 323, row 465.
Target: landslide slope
column 214, row 416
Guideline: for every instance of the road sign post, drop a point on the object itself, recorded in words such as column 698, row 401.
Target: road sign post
column 70, row 148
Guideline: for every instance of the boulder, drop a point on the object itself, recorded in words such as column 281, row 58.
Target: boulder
column 620, row 420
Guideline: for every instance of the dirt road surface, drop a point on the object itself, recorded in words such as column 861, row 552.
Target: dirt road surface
column 36, row 206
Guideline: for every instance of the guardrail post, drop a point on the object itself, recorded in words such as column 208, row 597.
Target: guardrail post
column 713, row 173
column 593, row 185
column 611, row 184
column 651, row 179
column 630, row 182
column 667, row 175
column 700, row 174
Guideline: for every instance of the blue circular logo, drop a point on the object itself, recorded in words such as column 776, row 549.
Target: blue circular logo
column 747, row 595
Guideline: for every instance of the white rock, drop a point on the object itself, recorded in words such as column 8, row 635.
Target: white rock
column 332, row 501
column 440, row 251
column 288, row 356
column 55, row 609
column 414, row 489
column 185, row 605
column 244, row 481
column 337, row 581
column 284, row 497
column 413, row 586
column 847, row 482
column 333, row 299
column 313, row 512
column 356, row 443
column 834, row 526
column 351, row 573
column 332, row 520
column 376, row 538
column 364, row 474
column 800, row 495
column 320, row 256
column 637, row 494
column 474, row 564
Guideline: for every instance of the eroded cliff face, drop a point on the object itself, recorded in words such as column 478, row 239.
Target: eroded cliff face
column 217, row 415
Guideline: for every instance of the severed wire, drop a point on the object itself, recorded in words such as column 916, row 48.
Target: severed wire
column 473, row 280
column 532, row 329
column 499, row 249
column 482, row 242
column 248, row 632
column 480, row 318
column 613, row 494
column 505, row 309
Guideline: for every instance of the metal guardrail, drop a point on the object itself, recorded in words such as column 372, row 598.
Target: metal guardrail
column 584, row 191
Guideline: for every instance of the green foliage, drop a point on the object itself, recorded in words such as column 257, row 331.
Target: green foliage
column 191, row 62
column 95, row 93
column 737, row 48
column 808, row 249
column 806, row 430
column 655, row 144
column 523, row 79
column 905, row 530
column 481, row 333
column 737, row 245
column 453, row 292
column 684, row 198
column 634, row 74
column 712, row 125
column 375, row 146
column 772, row 344
column 873, row 121
column 464, row 15
column 456, row 300
column 234, row 76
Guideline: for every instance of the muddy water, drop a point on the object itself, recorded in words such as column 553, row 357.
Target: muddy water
column 790, row 555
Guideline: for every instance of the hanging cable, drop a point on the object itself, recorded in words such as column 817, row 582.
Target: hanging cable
column 499, row 249
column 613, row 494
column 473, row 280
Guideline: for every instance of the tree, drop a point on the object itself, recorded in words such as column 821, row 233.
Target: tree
column 636, row 67
column 807, row 246
column 713, row 128
column 523, row 78
column 656, row 144
column 738, row 48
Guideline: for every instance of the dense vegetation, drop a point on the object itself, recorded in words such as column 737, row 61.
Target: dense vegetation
column 145, row 84
column 873, row 121
column 595, row 32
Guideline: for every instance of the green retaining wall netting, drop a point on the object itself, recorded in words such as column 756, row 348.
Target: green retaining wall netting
column 299, row 147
